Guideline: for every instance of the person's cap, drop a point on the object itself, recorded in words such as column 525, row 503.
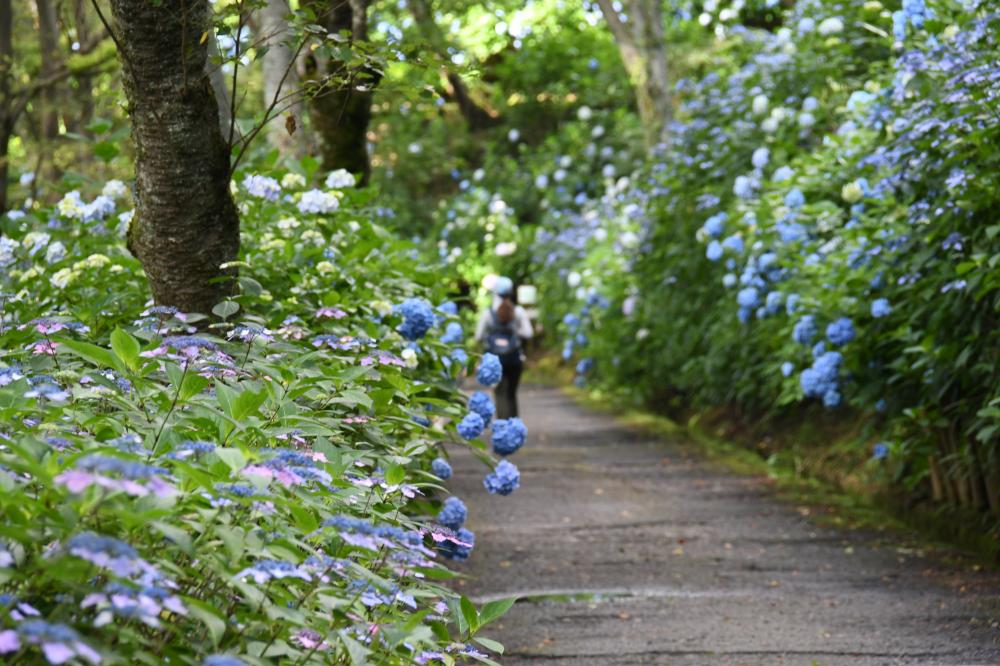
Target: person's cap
column 504, row 286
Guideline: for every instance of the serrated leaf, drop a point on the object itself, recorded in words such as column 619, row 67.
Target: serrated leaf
column 99, row 356
column 192, row 386
column 181, row 538
column 126, row 347
column 395, row 475
column 233, row 457
column 494, row 610
column 490, row 644
column 469, row 614
column 212, row 618
column 226, row 309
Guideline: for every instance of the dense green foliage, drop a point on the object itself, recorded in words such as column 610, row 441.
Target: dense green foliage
column 259, row 488
column 815, row 232
column 832, row 165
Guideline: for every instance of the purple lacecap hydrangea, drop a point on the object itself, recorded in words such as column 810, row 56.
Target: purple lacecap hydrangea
column 453, row 513
column 471, row 426
column 459, row 551
column 58, row 642
column 503, row 480
column 509, row 435
column 490, row 371
column 263, row 571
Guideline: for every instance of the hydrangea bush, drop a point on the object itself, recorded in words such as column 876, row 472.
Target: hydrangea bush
column 817, row 229
column 251, row 488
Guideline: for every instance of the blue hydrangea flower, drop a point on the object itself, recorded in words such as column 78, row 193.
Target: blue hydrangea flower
column 733, row 244
column 744, row 187
column 880, row 451
column 262, row 187
column 490, row 371
column 782, row 174
column 881, row 308
column 509, row 435
column 481, row 404
column 804, row 330
column 460, row 357
column 748, row 297
column 418, row 317
column 584, row 366
column 222, row 660
column 714, row 251
column 452, row 333
column 795, row 199
column 820, row 380
column 760, row 158
column 787, row 368
column 841, row 331
column 453, row 514
column 441, row 468
column 471, row 426
column 503, row 480
column 448, row 308
column 715, row 225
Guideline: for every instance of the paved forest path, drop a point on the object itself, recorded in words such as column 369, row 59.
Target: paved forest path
column 631, row 550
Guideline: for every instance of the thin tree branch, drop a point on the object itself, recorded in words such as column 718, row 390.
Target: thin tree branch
column 236, row 71
column 267, row 113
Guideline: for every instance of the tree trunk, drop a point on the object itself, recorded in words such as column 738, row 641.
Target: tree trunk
column 643, row 50
column 84, row 84
column 6, row 102
column 477, row 117
column 281, row 78
column 48, row 41
column 341, row 104
column 185, row 224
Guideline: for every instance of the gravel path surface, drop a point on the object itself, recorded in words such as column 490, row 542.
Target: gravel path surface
column 630, row 550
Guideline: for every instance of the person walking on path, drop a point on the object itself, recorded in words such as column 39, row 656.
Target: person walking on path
column 502, row 330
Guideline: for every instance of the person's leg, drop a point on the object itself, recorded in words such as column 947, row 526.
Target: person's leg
column 514, row 380
column 500, row 394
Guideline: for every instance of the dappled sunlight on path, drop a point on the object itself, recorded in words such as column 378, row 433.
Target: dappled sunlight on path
column 630, row 550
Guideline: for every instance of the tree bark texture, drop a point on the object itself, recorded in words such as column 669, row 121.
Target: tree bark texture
column 476, row 116
column 48, row 42
column 641, row 44
column 281, row 79
column 84, row 90
column 341, row 106
column 186, row 224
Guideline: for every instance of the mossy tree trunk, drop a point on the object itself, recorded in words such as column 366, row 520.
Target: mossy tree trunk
column 186, row 224
column 642, row 46
column 340, row 104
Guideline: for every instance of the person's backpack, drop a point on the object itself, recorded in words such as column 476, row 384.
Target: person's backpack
column 501, row 338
